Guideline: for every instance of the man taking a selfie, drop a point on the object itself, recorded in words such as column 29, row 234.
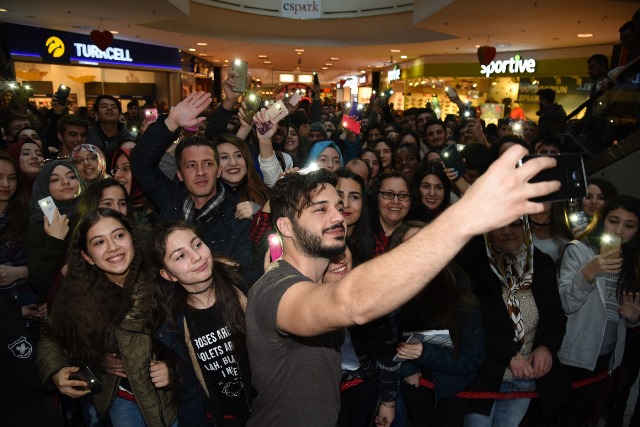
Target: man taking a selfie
column 295, row 323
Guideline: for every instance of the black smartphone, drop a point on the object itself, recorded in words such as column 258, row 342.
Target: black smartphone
column 316, row 79
column 452, row 159
column 62, row 94
column 85, row 374
column 569, row 170
column 241, row 69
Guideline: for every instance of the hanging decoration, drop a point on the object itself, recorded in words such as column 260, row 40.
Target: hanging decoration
column 486, row 54
column 102, row 39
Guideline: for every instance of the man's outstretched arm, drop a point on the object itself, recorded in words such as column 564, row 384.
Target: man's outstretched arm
column 383, row 284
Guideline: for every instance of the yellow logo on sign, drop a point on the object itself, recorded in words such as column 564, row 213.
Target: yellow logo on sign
column 55, row 47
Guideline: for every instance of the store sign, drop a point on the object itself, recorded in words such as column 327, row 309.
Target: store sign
column 92, row 51
column 513, row 65
column 301, row 9
column 394, row 74
column 59, row 47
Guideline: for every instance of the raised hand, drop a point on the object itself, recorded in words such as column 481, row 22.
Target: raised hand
column 185, row 114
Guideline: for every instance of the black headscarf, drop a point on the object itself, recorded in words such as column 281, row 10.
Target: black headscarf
column 41, row 190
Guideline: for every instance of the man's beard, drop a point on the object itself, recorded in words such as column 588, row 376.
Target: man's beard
column 311, row 244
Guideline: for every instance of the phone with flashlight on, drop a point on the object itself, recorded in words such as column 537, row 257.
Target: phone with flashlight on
column 609, row 242
column 275, row 246
column 240, row 69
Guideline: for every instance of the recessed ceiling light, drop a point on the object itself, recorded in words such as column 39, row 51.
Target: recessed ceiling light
column 263, row 56
column 3, row 9
column 267, row 62
column 362, row 71
column 201, row 44
column 395, row 50
column 191, row 49
column 378, row 66
column 299, row 50
column 328, row 64
column 216, row 60
column 585, row 35
column 226, row 60
column 335, row 59
column 477, row 45
column 113, row 32
column 325, row 68
column 204, row 54
column 403, row 56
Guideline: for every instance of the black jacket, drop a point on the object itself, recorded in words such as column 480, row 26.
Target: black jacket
column 553, row 388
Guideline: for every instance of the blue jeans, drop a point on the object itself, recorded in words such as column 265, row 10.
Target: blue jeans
column 125, row 413
column 506, row 412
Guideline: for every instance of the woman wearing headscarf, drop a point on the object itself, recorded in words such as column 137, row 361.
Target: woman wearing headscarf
column 29, row 157
column 47, row 242
column 90, row 162
column 144, row 216
column 523, row 322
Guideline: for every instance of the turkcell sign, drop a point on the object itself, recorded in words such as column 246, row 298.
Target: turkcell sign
column 513, row 65
column 91, row 51
column 301, row 9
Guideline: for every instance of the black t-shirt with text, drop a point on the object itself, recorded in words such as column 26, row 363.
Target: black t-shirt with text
column 214, row 349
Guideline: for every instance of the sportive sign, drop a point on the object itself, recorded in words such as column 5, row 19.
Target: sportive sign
column 513, row 65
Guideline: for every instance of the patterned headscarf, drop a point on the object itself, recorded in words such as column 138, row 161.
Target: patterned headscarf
column 515, row 271
column 102, row 163
column 41, row 190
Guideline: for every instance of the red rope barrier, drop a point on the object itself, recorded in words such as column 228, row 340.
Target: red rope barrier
column 351, row 383
column 516, row 394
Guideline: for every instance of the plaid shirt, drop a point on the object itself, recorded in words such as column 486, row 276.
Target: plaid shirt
column 260, row 226
column 382, row 243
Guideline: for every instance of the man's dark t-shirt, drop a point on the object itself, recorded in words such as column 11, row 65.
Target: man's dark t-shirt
column 297, row 378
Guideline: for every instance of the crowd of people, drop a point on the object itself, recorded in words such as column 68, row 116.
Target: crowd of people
column 153, row 294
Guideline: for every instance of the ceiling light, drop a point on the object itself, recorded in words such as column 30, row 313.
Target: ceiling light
column 191, row 49
column 362, row 71
column 328, row 64
column 477, row 45
column 204, row 54
column 299, row 50
column 267, row 62
column 335, row 59
column 325, row 68
column 201, row 44
column 263, row 56
column 226, row 60
column 585, row 35
column 3, row 9
column 403, row 56
column 216, row 60
column 395, row 50
column 113, row 32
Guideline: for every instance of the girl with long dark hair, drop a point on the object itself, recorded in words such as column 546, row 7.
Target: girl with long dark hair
column 240, row 175
column 599, row 293
column 352, row 190
column 13, row 228
column 432, row 191
column 445, row 304
column 100, row 320
column 204, row 326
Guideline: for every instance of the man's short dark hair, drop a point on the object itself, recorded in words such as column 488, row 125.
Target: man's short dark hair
column 600, row 59
column 548, row 95
column 294, row 192
column 96, row 104
column 432, row 122
column 11, row 118
column 426, row 110
column 72, row 120
column 410, row 112
column 502, row 122
column 133, row 103
column 627, row 26
column 195, row 141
